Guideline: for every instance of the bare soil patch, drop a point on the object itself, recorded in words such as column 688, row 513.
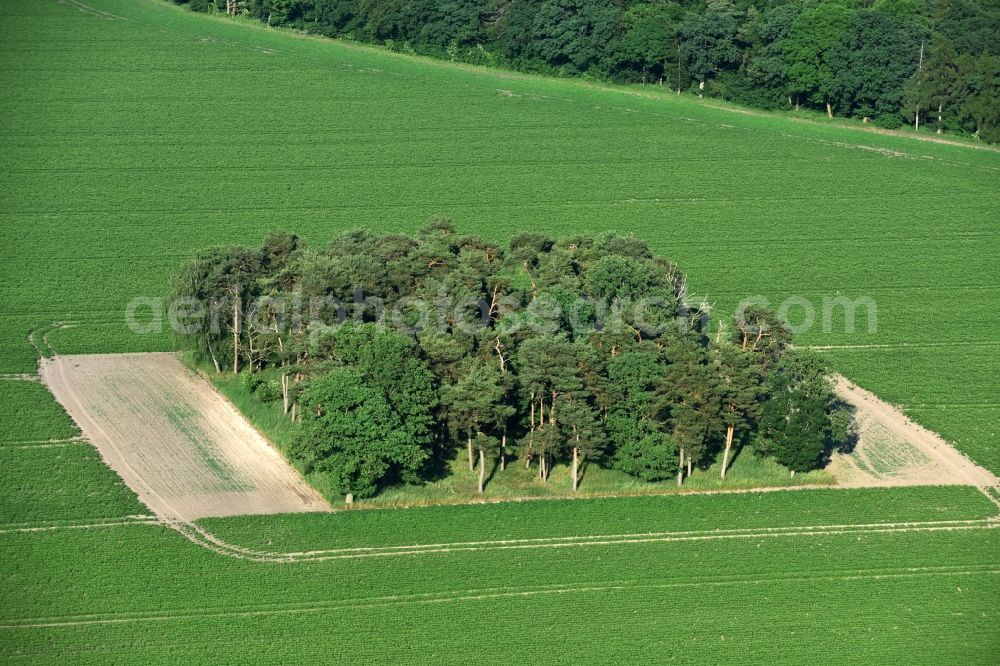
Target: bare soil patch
column 892, row 450
column 177, row 443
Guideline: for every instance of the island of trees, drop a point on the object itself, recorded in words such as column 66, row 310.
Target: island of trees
column 393, row 353
column 927, row 63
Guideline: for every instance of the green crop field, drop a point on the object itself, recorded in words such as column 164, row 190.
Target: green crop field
column 129, row 144
column 135, row 133
column 564, row 519
column 867, row 575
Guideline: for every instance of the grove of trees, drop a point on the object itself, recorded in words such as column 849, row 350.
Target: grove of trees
column 394, row 354
column 933, row 63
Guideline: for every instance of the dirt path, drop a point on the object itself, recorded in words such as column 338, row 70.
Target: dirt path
column 177, row 443
column 895, row 451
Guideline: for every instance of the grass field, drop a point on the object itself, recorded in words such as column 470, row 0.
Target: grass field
column 808, row 584
column 870, row 575
column 129, row 144
column 134, row 134
column 601, row 517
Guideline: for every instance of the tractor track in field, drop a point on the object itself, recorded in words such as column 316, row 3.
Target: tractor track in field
column 15, row 528
column 43, row 443
column 93, row 11
column 486, row 594
column 209, row 541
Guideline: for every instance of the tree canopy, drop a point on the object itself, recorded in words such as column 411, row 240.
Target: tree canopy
column 391, row 354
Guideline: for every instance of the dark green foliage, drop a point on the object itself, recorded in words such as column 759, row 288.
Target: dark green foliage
column 582, row 428
column 767, row 66
column 697, row 415
column 649, row 46
column 413, row 347
column 570, row 35
column 620, row 277
column 871, row 65
column 476, row 402
column 812, row 37
column 803, row 419
column 758, row 332
column 652, row 458
column 351, row 432
column 389, row 362
column 707, row 43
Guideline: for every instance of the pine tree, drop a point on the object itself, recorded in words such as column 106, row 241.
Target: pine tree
column 740, row 387
column 476, row 403
column 582, row 432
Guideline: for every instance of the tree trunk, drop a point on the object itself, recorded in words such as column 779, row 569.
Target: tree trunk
column 916, row 121
column 527, row 455
column 294, row 406
column 284, row 394
column 575, row 466
column 829, row 110
column 281, row 346
column 349, row 498
column 482, row 470
column 940, row 107
column 689, row 467
column 215, row 361
column 532, row 411
column 678, row 67
column 680, row 470
column 250, row 348
column 472, row 465
column 503, row 452
column 236, row 335
column 701, row 88
column 729, row 446
column 541, row 426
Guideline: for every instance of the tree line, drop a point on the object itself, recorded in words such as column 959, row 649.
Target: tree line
column 932, row 63
column 394, row 353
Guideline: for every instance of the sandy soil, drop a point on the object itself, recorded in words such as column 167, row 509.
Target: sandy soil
column 177, row 443
column 894, row 451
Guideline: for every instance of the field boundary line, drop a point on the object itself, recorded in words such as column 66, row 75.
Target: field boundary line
column 480, row 205
column 589, row 537
column 87, row 9
column 128, row 520
column 43, row 443
column 905, row 345
column 483, row 595
column 21, row 377
column 206, row 539
column 44, row 347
